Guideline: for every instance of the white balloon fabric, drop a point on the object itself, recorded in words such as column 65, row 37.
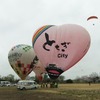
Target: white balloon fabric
column 22, row 59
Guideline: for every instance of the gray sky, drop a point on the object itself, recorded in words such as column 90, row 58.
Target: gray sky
column 19, row 19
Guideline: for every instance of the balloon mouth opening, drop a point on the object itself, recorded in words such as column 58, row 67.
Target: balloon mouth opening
column 53, row 71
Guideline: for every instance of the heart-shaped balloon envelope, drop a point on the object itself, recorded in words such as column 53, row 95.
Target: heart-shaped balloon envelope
column 60, row 47
column 22, row 59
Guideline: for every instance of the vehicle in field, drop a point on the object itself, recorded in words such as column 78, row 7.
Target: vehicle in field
column 5, row 83
column 26, row 84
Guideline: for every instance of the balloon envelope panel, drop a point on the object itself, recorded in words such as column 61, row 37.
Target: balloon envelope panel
column 39, row 70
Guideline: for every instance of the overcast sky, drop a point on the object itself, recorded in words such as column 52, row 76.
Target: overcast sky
column 19, row 19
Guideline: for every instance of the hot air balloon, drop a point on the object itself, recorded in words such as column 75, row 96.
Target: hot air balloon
column 60, row 47
column 22, row 59
column 39, row 71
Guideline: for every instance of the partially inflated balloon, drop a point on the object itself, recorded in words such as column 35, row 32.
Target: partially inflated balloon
column 39, row 70
column 60, row 47
column 22, row 59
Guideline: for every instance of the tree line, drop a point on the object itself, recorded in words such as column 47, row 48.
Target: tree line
column 92, row 78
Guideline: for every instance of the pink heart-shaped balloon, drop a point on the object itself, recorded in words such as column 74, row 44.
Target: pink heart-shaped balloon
column 60, row 47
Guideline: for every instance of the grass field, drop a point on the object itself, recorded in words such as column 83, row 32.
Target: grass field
column 63, row 92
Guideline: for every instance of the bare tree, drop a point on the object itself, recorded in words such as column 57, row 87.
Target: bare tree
column 94, row 77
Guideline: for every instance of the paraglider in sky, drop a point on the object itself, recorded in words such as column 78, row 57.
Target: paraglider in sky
column 60, row 47
column 92, row 17
column 39, row 71
column 22, row 59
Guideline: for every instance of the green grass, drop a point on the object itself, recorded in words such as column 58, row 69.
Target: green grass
column 63, row 92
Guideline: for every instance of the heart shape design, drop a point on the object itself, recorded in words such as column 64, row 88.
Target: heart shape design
column 60, row 47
